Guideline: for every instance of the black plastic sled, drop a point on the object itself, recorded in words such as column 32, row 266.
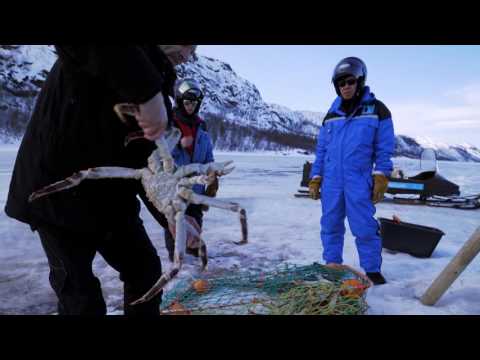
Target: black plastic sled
column 416, row 240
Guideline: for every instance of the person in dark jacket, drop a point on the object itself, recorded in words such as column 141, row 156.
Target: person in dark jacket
column 352, row 165
column 195, row 146
column 74, row 127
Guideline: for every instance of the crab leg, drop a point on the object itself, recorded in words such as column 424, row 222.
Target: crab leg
column 202, row 252
column 165, row 145
column 172, row 137
column 159, row 285
column 165, row 155
column 94, row 173
column 218, row 168
column 180, row 236
column 180, row 244
column 194, row 232
column 186, row 182
column 205, row 200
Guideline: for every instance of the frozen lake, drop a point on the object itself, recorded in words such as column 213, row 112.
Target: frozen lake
column 282, row 229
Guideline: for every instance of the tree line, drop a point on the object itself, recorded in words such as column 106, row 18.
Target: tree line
column 229, row 135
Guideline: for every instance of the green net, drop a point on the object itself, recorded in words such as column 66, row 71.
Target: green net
column 289, row 290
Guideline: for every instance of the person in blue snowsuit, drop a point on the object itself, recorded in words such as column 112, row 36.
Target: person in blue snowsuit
column 352, row 165
column 195, row 147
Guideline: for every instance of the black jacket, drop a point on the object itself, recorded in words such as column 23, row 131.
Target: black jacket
column 74, row 127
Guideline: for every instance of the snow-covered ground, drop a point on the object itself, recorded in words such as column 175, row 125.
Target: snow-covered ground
column 282, row 229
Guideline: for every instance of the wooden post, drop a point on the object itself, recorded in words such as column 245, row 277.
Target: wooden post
column 453, row 270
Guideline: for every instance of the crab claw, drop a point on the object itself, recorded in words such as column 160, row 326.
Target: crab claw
column 202, row 253
column 159, row 285
column 221, row 169
column 93, row 173
column 68, row 183
column 243, row 223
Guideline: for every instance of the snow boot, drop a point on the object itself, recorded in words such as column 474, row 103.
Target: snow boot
column 377, row 278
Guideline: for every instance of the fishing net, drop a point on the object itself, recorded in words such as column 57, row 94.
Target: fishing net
column 289, row 290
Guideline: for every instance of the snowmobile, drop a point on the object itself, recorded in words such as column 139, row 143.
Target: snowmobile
column 426, row 188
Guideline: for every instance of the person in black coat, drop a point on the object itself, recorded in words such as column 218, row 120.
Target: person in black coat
column 74, row 127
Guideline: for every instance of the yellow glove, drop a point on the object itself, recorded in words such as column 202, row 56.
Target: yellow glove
column 314, row 188
column 379, row 188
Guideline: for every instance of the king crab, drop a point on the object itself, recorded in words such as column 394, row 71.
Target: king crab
column 169, row 188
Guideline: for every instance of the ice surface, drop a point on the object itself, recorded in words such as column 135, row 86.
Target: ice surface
column 282, row 229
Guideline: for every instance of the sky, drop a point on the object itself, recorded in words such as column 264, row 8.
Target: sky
column 432, row 91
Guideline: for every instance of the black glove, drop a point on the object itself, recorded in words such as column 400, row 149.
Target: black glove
column 212, row 189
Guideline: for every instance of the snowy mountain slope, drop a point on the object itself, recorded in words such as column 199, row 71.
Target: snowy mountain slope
column 412, row 148
column 238, row 117
column 23, row 69
column 239, row 101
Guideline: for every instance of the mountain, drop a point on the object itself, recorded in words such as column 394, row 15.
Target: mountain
column 23, row 69
column 238, row 118
column 409, row 147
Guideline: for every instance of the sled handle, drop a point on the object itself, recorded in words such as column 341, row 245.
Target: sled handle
column 453, row 270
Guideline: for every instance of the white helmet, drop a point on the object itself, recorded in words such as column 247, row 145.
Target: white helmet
column 188, row 89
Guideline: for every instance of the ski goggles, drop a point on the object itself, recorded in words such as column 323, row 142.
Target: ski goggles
column 193, row 94
column 349, row 82
column 190, row 102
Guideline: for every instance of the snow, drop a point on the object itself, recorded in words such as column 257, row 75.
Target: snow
column 28, row 61
column 38, row 57
column 282, row 229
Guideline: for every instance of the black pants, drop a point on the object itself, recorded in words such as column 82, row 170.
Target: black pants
column 128, row 250
column 194, row 211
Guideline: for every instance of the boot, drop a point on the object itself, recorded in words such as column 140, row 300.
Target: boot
column 377, row 278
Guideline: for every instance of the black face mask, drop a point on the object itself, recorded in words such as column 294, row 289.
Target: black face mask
column 348, row 106
column 185, row 114
column 182, row 107
column 184, row 117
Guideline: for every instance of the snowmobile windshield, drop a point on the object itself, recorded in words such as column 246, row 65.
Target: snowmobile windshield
column 428, row 161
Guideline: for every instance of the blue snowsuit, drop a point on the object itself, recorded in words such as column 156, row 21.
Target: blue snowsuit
column 349, row 150
column 202, row 154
